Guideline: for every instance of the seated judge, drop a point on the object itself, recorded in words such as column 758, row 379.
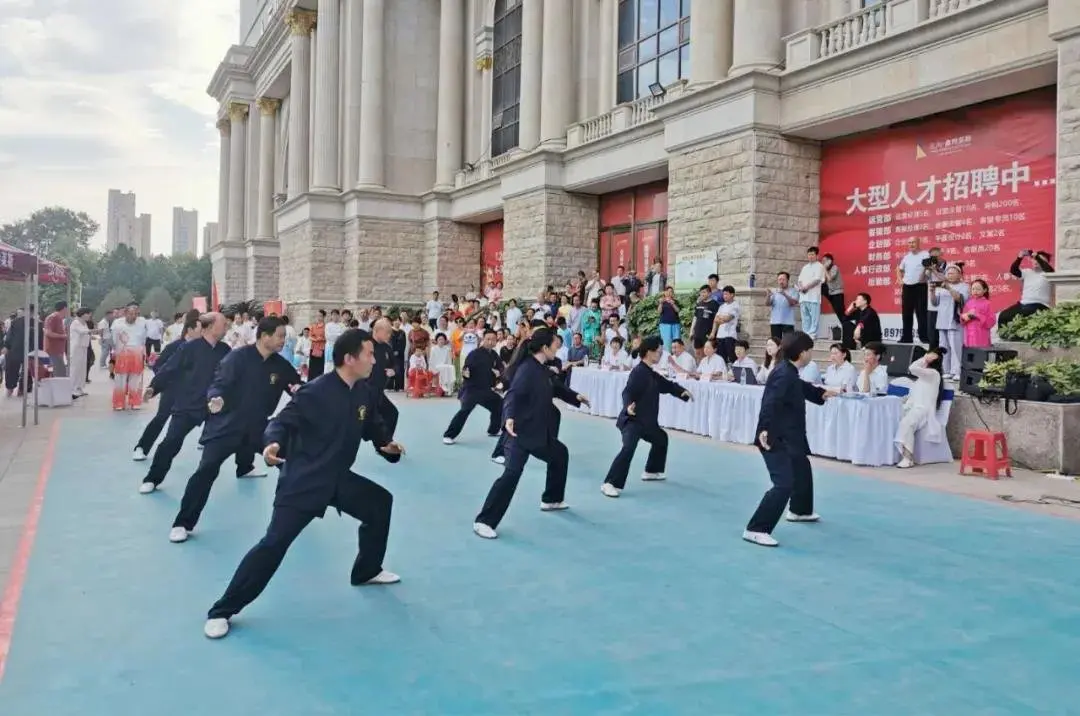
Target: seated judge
column 712, row 366
column 742, row 359
column 615, row 358
column 867, row 324
column 874, row 377
column 840, row 374
column 681, row 361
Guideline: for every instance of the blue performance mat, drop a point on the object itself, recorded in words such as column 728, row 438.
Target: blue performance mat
column 901, row 601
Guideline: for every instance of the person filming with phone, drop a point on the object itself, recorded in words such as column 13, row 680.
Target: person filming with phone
column 1031, row 268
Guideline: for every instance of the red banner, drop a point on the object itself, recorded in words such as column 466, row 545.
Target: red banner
column 491, row 252
column 620, row 251
column 977, row 182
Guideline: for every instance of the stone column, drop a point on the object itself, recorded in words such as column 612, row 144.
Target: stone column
column 1064, row 26
column 451, row 123
column 711, row 37
column 268, row 109
column 238, row 145
column 757, row 46
column 324, row 174
column 301, row 23
column 557, row 85
column 532, row 43
column 223, row 186
column 372, row 172
column 350, row 154
column 609, row 50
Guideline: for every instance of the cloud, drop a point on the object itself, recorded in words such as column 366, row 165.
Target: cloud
column 100, row 94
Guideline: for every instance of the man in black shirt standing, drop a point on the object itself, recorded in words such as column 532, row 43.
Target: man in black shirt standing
column 480, row 373
column 704, row 313
column 383, row 372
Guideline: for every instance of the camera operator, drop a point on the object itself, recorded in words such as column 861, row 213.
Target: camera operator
column 1035, row 293
column 914, row 296
column 934, row 267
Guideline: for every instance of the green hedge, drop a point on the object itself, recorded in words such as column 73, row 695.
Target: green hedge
column 1058, row 327
column 643, row 318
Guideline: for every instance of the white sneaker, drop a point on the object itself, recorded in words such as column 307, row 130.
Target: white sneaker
column 384, row 577
column 254, row 472
column 610, row 490
column 905, row 463
column 138, row 455
column 447, row 441
column 759, row 538
column 216, row 628
column 792, row 517
column 499, row 460
column 653, row 476
column 145, row 488
column 483, row 530
column 178, row 535
column 553, row 506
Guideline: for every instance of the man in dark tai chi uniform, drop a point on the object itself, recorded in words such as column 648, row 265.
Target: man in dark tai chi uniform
column 315, row 439
column 191, row 330
column 480, row 374
column 246, row 391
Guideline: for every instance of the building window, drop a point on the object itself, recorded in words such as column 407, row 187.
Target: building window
column 654, row 45
column 506, row 77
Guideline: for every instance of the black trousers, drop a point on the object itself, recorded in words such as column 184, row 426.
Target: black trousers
column 1016, row 310
column 89, row 361
column 389, row 413
column 631, row 435
column 357, row 497
column 502, row 492
column 180, row 424
column 779, row 330
column 913, row 302
column 397, row 381
column 13, row 371
column 490, row 402
column 500, row 444
column 933, row 339
column 725, row 348
column 793, row 480
column 156, row 425
column 153, row 345
column 316, row 366
column 214, row 453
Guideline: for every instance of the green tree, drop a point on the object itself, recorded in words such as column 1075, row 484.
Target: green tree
column 54, row 233
column 186, row 302
column 115, row 298
column 158, row 299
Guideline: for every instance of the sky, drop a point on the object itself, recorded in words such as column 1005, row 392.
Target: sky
column 100, row 94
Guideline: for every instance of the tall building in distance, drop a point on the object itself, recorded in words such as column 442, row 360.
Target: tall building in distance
column 185, row 231
column 125, row 226
column 209, row 236
column 120, row 228
column 142, row 237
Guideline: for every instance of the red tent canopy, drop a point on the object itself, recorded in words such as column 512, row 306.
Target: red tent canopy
column 16, row 264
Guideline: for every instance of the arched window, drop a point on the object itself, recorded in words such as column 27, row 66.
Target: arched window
column 654, row 45
column 506, row 77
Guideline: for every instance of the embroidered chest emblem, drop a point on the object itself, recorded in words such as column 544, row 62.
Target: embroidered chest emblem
column 361, row 413
column 273, row 378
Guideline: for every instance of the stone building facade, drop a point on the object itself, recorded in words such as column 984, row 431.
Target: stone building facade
column 365, row 143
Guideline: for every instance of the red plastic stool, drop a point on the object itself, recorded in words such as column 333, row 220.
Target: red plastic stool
column 985, row 454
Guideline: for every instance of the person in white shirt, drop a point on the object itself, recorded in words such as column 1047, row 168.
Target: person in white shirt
column 811, row 373
column 911, row 272
column 615, row 358
column 726, row 324
column 104, row 328
column 234, row 335
column 175, row 330
column 949, row 299
column 811, row 277
column 1035, row 292
column 434, row 309
column 712, row 367
column 470, row 340
column 334, row 329
column 441, row 361
column 615, row 330
column 513, row 316
column 772, row 350
column 681, row 362
column 742, row 357
column 129, row 337
column 155, row 329
column 921, row 406
column 618, row 281
column 79, row 344
column 594, row 288
column 840, row 374
column 874, row 377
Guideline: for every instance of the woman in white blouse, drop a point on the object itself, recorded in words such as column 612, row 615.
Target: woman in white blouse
column 947, row 299
column 840, row 373
column 921, row 406
column 772, row 349
column 615, row 358
column 712, row 366
column 441, row 361
column 79, row 342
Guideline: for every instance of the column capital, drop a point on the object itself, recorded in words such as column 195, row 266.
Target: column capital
column 224, row 125
column 238, row 111
column 301, row 22
column 268, row 105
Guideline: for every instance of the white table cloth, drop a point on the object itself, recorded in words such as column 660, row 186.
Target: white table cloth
column 859, row 431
